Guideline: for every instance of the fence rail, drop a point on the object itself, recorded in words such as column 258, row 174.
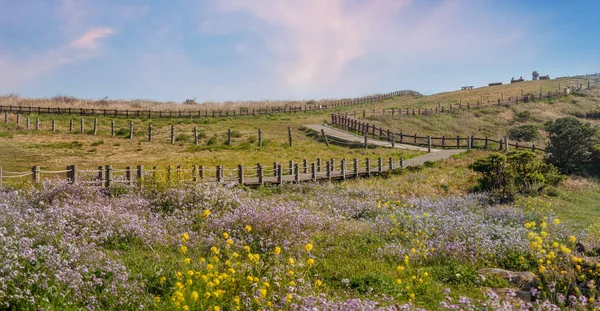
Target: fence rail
column 206, row 113
column 470, row 105
column 253, row 176
column 444, row 142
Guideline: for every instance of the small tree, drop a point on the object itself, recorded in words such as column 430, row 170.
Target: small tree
column 523, row 133
column 573, row 144
column 495, row 175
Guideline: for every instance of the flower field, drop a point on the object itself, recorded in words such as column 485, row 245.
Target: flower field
column 302, row 247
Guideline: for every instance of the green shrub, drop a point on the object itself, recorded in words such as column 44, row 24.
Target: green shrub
column 97, row 143
column 573, row 144
column 518, row 172
column 122, row 132
column 523, row 133
column 523, row 116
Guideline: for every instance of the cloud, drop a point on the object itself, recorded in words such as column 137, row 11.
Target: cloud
column 90, row 39
column 318, row 45
column 315, row 40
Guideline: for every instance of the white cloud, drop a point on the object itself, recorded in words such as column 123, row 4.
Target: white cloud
column 90, row 39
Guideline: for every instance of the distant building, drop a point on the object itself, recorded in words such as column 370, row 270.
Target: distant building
column 512, row 80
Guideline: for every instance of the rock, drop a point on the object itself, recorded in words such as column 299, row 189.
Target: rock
column 524, row 280
column 585, row 248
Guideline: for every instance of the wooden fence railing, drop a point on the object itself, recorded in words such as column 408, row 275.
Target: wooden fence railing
column 275, row 174
column 444, row 142
column 468, row 105
column 207, row 113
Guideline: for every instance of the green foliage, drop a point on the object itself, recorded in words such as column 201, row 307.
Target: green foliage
column 212, row 140
column 523, row 133
column 523, row 116
column 182, row 137
column 122, row 132
column 518, row 172
column 97, row 143
column 573, row 144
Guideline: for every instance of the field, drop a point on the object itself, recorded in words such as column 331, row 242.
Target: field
column 414, row 238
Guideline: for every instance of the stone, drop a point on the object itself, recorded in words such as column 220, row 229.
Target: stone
column 585, row 248
column 524, row 280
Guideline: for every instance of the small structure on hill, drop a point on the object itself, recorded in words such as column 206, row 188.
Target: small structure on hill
column 546, row 77
column 494, row 83
column 512, row 80
column 468, row 87
column 535, row 75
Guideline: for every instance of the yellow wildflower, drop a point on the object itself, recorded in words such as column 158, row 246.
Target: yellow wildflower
column 308, row 247
column 248, row 228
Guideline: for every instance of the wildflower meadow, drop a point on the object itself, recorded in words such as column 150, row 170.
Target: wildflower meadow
column 300, row 247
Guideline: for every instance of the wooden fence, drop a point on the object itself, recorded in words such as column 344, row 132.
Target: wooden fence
column 213, row 113
column 458, row 142
column 274, row 174
column 468, row 105
column 131, row 130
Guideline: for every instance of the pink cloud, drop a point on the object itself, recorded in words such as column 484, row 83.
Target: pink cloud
column 90, row 39
column 314, row 40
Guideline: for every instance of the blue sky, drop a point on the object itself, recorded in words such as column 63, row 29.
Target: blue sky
column 219, row 50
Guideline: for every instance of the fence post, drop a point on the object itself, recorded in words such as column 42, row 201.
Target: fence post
column 109, row 175
column 172, row 134
column 274, row 169
column 37, row 124
column 140, row 175
column 27, row 122
column 259, row 138
column 218, row 173
column 1, row 177
column 318, row 164
column 304, row 166
column 128, row 176
column 366, row 145
column 195, row 135
column 95, row 126
column 328, row 170
column 228, row 137
column 428, row 143
column 290, row 135
column 343, row 168
column 368, row 168
column 112, row 128
column 485, row 144
column 201, row 172
column 18, row 118
column 355, row 168
column 279, row 175
column 259, row 174
column 149, row 132
column 391, row 164
column 325, row 136
column 393, row 140
column 401, row 162
column 313, row 172
column 35, row 173
column 130, row 130
column 6, row 118
column 82, row 125
column 297, row 173
column 240, row 174
column 506, row 143
column 100, row 176
column 469, row 142
column 379, row 165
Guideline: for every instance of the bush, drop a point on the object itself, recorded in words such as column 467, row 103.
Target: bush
column 518, row 172
column 523, row 116
column 182, row 137
column 212, row 140
column 523, row 133
column 573, row 145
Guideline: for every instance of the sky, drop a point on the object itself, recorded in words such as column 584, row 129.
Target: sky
column 222, row 50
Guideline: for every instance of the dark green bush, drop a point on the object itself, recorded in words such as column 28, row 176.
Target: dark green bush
column 574, row 145
column 523, row 133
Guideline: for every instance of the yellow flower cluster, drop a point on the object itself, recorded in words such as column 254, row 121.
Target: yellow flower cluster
column 219, row 281
column 407, row 279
